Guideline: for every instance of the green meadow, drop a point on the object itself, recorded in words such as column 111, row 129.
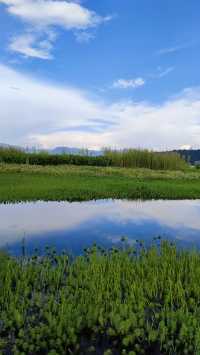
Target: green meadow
column 20, row 182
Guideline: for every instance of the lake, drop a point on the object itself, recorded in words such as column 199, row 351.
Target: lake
column 74, row 226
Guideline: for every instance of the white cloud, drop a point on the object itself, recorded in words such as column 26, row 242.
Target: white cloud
column 28, row 45
column 127, row 84
column 42, row 15
column 186, row 147
column 49, row 115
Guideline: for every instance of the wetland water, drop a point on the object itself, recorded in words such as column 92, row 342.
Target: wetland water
column 74, row 226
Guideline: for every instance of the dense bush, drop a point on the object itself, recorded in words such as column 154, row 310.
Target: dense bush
column 106, row 302
column 126, row 158
column 44, row 158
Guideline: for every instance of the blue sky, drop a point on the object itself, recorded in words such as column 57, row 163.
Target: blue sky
column 100, row 73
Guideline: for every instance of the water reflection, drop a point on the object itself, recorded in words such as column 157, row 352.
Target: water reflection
column 75, row 225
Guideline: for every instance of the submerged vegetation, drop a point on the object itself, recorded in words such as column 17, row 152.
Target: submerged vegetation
column 80, row 183
column 121, row 301
column 129, row 158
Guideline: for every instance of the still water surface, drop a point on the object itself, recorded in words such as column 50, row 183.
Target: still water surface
column 74, row 226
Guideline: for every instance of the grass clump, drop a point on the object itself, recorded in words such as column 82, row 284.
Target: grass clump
column 121, row 301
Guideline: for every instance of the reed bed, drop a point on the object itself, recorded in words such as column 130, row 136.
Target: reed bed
column 130, row 158
column 138, row 158
column 118, row 301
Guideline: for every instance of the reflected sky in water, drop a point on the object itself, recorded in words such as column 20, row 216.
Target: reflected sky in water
column 73, row 226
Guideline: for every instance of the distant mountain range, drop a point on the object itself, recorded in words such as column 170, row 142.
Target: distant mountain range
column 192, row 156
column 4, row 145
column 56, row 150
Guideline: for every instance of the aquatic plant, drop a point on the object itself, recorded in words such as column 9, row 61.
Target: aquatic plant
column 118, row 301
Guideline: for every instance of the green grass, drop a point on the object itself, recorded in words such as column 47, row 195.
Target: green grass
column 73, row 183
column 105, row 302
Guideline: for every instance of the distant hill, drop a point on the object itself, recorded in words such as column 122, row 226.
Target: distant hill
column 75, row 151
column 4, row 145
column 56, row 150
column 190, row 155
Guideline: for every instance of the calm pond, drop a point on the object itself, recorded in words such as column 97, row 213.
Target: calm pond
column 74, row 226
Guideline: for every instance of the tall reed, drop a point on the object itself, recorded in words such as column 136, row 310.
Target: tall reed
column 139, row 158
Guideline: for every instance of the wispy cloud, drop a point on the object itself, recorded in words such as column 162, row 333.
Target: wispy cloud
column 84, row 37
column 128, row 84
column 40, row 16
column 161, row 72
column 165, row 72
column 174, row 49
column 139, row 82
column 30, row 45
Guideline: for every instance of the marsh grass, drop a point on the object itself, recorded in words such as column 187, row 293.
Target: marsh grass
column 118, row 301
column 97, row 171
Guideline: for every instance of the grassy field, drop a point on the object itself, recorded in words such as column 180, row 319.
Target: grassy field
column 78, row 183
column 123, row 301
